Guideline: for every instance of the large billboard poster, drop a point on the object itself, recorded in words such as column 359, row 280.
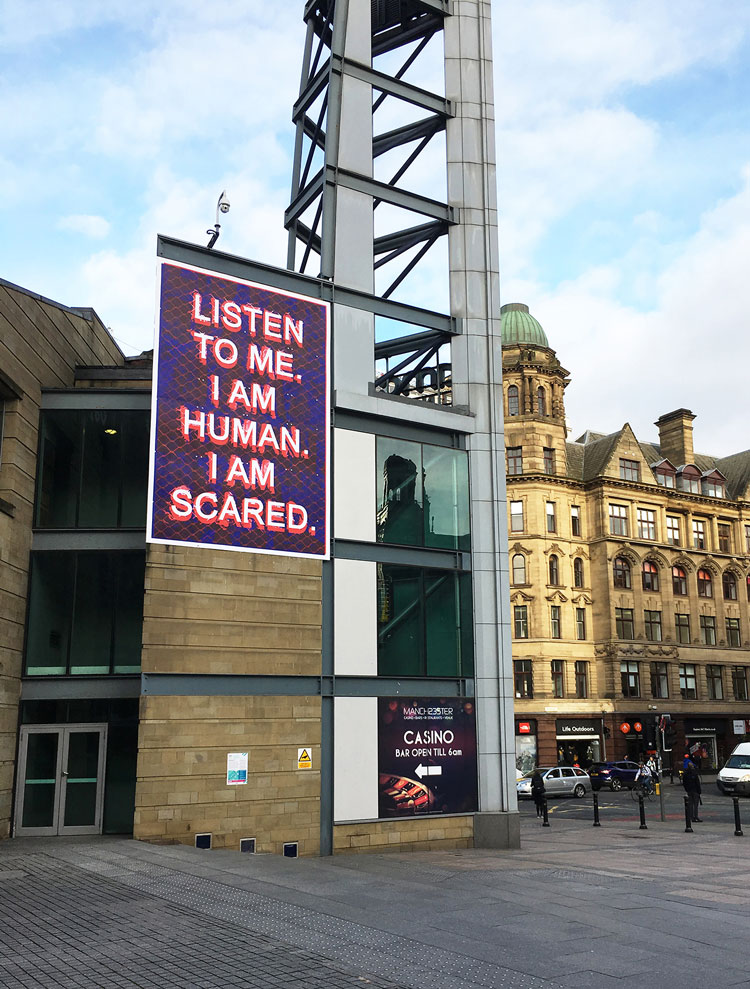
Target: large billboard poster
column 427, row 756
column 240, row 416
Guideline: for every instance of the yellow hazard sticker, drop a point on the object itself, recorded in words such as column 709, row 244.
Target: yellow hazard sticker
column 304, row 758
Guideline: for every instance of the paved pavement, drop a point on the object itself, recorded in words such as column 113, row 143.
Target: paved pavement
column 577, row 906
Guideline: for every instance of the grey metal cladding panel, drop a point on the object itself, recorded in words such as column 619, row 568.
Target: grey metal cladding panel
column 228, row 264
column 209, row 685
column 79, row 687
column 82, row 539
column 399, row 430
column 90, row 398
column 408, row 556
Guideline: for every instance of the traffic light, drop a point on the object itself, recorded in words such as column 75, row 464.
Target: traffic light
column 651, row 727
column 668, row 733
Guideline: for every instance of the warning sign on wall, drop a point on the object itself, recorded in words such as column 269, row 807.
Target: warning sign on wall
column 304, row 758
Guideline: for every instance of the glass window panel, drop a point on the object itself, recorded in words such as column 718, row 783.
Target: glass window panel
column 399, row 622
column 40, row 780
column 80, row 786
column 50, row 610
column 59, row 470
column 128, row 613
column 442, row 623
column 91, row 641
column 400, row 517
column 100, row 470
column 424, row 622
column 446, row 497
column 135, row 447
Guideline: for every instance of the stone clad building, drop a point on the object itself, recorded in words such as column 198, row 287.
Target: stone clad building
column 630, row 575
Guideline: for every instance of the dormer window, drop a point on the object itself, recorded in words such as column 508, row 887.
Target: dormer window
column 689, row 479
column 712, row 484
column 664, row 473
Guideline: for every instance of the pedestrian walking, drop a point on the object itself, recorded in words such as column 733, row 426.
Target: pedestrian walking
column 537, row 792
column 692, row 782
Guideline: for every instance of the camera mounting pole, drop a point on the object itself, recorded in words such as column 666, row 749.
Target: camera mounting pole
column 222, row 206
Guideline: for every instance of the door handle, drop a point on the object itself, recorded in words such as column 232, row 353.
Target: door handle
column 65, row 772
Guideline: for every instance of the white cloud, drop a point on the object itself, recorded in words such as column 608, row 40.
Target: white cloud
column 689, row 350
column 95, row 227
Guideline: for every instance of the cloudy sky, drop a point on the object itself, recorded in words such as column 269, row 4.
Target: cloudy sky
column 623, row 133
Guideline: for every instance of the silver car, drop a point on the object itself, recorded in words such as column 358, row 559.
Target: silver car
column 559, row 781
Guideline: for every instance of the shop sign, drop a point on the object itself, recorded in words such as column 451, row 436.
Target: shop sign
column 636, row 728
column 573, row 727
column 526, row 727
column 741, row 727
column 427, row 756
column 705, row 726
column 240, row 416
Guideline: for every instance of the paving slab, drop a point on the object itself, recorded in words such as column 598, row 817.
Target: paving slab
column 575, row 906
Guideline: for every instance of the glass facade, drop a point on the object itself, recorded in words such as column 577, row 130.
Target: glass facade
column 424, row 622
column 93, row 469
column 423, row 495
column 85, row 613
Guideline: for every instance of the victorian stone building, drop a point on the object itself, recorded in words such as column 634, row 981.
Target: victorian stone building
column 630, row 575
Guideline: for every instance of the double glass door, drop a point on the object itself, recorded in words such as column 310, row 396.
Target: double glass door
column 60, row 779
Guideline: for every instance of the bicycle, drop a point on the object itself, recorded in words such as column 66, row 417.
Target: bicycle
column 646, row 790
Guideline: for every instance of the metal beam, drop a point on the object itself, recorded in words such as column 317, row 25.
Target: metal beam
column 405, row 135
column 396, row 197
column 396, row 87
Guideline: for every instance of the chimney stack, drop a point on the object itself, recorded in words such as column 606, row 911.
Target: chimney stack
column 676, row 436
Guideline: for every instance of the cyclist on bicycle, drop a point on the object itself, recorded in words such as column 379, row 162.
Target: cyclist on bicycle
column 644, row 776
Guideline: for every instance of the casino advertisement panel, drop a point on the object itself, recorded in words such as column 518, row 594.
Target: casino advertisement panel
column 240, row 416
column 427, row 756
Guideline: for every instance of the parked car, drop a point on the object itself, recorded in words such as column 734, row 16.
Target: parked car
column 615, row 775
column 559, row 781
column 734, row 777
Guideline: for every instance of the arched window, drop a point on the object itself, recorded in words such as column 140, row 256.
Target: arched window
column 541, row 401
column 512, row 400
column 578, row 574
column 650, row 576
column 705, row 588
column 519, row 569
column 621, row 572
column 679, row 581
column 729, row 586
column 554, row 570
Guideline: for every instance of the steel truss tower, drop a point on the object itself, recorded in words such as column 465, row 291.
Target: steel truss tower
column 391, row 179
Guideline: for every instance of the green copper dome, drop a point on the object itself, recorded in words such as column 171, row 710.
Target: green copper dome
column 519, row 326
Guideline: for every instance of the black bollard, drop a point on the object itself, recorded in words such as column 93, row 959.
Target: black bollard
column 737, row 821
column 642, row 811
column 688, row 819
column 545, row 822
column 595, row 795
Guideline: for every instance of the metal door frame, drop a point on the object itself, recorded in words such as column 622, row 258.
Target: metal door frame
column 61, row 780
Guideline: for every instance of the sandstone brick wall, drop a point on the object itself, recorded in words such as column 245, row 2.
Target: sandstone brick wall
column 40, row 344
column 215, row 612
column 182, row 762
column 404, row 835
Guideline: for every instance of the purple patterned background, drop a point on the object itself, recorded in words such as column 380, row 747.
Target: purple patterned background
column 181, row 380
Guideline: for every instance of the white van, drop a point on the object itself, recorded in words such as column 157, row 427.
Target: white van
column 737, row 768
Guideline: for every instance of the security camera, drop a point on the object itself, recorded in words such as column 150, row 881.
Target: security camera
column 221, row 207
column 223, row 204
